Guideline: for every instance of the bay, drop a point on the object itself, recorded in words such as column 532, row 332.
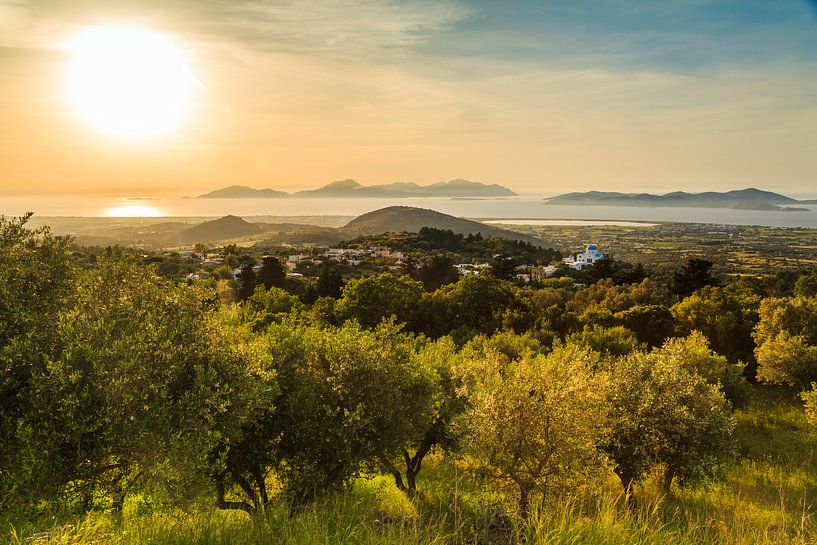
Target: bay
column 517, row 209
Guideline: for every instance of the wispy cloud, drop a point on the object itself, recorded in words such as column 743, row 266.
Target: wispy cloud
column 330, row 28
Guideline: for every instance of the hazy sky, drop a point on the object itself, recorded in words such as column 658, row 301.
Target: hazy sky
column 539, row 95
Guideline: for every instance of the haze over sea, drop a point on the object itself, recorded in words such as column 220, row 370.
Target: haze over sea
column 526, row 207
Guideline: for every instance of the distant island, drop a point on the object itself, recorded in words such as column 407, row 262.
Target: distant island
column 739, row 199
column 458, row 188
column 243, row 192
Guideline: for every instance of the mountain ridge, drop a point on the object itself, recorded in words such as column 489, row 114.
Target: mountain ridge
column 347, row 188
column 739, row 199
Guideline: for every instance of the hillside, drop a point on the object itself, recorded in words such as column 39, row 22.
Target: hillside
column 742, row 199
column 298, row 233
column 406, row 218
column 228, row 227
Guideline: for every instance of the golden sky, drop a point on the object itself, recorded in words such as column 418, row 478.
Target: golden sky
column 540, row 96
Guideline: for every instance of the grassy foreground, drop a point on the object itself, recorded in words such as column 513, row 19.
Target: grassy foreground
column 767, row 496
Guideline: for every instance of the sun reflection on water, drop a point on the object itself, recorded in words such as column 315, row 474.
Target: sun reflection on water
column 134, row 211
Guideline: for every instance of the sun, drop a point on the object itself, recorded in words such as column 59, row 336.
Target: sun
column 128, row 81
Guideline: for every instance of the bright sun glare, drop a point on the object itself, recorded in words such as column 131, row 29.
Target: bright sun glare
column 128, row 81
column 134, row 211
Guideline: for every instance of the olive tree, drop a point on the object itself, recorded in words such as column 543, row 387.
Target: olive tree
column 652, row 324
column 146, row 377
column 435, row 408
column 267, row 305
column 535, row 423
column 348, row 395
column 370, row 300
column 725, row 318
column 665, row 414
column 786, row 338
column 478, row 303
column 36, row 281
column 608, row 341
column 694, row 354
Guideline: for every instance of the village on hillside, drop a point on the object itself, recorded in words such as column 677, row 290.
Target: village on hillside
column 309, row 260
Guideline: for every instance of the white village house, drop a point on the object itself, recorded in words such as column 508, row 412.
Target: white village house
column 584, row 259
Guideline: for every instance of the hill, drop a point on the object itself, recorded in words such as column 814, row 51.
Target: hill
column 466, row 188
column 742, row 199
column 351, row 188
column 226, row 228
column 452, row 188
column 243, row 192
column 341, row 188
column 397, row 219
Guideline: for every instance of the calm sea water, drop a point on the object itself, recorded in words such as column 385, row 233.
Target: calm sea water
column 517, row 208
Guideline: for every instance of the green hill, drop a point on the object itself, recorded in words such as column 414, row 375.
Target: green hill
column 397, row 219
column 226, row 228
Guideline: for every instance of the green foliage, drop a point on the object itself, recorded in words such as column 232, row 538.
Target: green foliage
column 547, row 306
column 508, row 344
column 266, row 306
column 796, row 315
column 535, row 422
column 665, row 414
column 144, row 379
column 786, row 339
column 613, row 298
column 806, row 285
column 479, row 302
column 372, row 299
column 787, row 359
column 436, row 271
column 435, row 409
column 503, row 267
column 724, row 318
column 652, row 324
column 608, row 341
column 810, row 400
column 272, row 273
column 36, row 280
column 694, row 275
column 330, row 282
column 694, row 354
column 610, row 268
column 348, row 395
column 247, row 282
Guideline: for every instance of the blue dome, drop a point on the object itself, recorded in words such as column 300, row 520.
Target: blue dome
column 592, row 247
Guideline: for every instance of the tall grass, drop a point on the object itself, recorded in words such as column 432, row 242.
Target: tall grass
column 767, row 496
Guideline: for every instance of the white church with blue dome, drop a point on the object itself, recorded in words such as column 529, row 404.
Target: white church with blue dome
column 584, row 259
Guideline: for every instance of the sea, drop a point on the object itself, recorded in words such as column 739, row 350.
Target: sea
column 528, row 210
